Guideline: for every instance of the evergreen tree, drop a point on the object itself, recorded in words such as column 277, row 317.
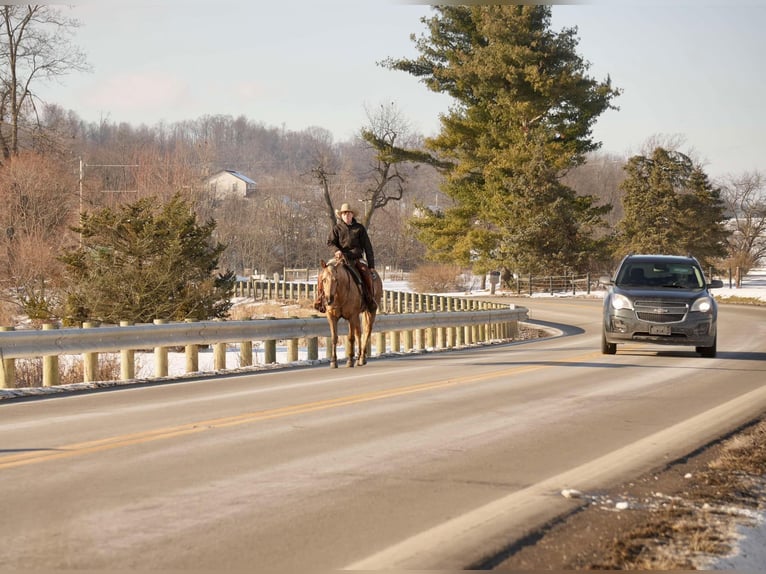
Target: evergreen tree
column 523, row 116
column 146, row 261
column 670, row 207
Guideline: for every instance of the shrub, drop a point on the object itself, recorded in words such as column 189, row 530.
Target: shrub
column 438, row 278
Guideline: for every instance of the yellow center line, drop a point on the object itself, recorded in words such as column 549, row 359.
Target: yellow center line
column 109, row 443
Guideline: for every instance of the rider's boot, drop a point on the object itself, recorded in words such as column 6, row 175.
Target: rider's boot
column 369, row 300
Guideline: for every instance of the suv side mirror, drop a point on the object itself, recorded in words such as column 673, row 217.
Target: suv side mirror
column 605, row 280
column 715, row 284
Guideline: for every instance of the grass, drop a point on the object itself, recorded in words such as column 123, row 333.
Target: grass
column 736, row 300
column 698, row 523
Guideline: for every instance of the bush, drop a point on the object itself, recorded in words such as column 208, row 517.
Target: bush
column 438, row 278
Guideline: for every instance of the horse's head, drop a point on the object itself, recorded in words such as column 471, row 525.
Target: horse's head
column 329, row 280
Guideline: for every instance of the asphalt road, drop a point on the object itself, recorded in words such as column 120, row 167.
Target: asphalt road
column 430, row 461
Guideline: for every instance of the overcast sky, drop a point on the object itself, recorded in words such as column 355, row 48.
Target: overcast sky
column 688, row 69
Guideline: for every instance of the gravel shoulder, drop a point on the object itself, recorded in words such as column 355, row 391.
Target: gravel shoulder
column 688, row 515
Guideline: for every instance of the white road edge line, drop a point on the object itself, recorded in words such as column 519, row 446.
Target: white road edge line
column 457, row 542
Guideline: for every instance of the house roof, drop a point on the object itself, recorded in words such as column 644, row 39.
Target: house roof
column 238, row 175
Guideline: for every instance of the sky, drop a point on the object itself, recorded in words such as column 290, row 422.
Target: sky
column 689, row 70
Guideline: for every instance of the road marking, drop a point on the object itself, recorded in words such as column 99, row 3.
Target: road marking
column 119, row 441
column 449, row 546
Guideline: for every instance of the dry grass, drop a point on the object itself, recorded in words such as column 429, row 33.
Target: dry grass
column 279, row 309
column 29, row 372
column 700, row 522
column 736, row 300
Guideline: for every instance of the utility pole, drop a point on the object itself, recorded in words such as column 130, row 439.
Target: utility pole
column 79, row 222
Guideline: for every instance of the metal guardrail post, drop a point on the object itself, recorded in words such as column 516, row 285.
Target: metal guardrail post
column 380, row 343
column 127, row 359
column 421, row 341
column 312, row 345
column 7, row 369
column 89, row 360
column 292, row 349
column 160, row 356
column 219, row 356
column 270, row 349
column 395, row 341
column 408, row 341
column 312, row 348
column 51, row 376
column 191, row 354
column 245, row 353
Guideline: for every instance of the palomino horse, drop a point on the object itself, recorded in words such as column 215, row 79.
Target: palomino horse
column 343, row 299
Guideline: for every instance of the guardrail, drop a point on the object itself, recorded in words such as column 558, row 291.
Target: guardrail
column 444, row 329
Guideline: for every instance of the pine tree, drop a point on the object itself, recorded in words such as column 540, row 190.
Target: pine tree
column 145, row 261
column 523, row 116
column 670, row 207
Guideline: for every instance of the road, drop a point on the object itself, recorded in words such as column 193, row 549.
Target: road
column 429, row 461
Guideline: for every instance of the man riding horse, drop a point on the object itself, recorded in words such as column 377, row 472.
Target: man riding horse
column 351, row 242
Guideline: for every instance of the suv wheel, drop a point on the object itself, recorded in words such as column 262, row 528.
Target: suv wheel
column 606, row 347
column 708, row 352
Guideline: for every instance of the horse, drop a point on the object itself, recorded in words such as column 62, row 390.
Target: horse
column 343, row 299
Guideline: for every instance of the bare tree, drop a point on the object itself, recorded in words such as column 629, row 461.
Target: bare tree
column 324, row 165
column 745, row 201
column 600, row 176
column 34, row 45
column 396, row 152
column 39, row 199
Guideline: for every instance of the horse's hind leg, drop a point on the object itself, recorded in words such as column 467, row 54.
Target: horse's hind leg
column 364, row 344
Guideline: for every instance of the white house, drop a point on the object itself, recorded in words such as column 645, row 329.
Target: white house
column 228, row 182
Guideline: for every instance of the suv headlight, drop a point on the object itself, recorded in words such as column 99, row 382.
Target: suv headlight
column 703, row 305
column 621, row 302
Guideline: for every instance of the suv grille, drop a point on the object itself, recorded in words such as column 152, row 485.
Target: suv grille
column 661, row 311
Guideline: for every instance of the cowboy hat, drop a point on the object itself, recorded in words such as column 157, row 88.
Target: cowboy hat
column 343, row 208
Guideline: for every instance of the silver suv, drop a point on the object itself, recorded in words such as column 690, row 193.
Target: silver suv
column 660, row 299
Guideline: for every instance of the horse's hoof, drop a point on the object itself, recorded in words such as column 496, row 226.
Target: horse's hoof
column 362, row 361
column 349, row 363
column 333, row 364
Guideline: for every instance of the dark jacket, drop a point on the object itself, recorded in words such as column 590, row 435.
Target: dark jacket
column 352, row 240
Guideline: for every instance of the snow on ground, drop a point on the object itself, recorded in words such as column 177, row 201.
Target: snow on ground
column 753, row 286
column 749, row 554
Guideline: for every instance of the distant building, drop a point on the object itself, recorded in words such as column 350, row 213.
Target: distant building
column 230, row 183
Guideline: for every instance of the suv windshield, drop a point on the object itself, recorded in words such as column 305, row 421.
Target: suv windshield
column 656, row 274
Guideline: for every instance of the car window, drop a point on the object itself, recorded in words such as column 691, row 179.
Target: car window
column 661, row 274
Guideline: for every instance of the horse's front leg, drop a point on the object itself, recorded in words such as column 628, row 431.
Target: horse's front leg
column 353, row 334
column 334, row 340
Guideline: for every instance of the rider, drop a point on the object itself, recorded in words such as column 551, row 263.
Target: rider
column 350, row 240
